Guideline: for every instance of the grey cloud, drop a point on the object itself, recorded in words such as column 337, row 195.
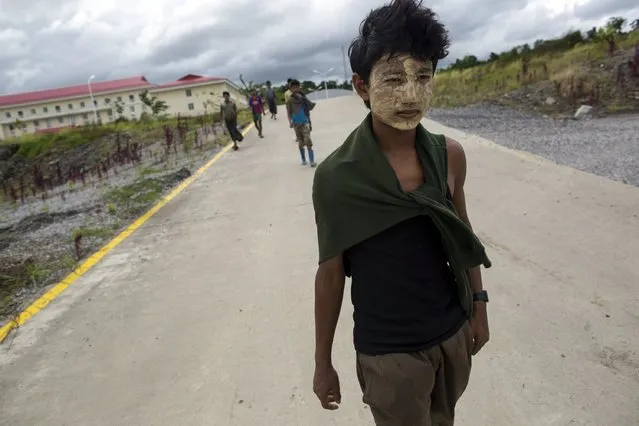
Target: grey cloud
column 595, row 9
column 279, row 39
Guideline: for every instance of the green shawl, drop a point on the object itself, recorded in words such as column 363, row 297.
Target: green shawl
column 356, row 195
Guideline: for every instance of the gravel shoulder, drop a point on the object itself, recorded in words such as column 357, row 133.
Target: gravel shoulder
column 45, row 236
column 607, row 147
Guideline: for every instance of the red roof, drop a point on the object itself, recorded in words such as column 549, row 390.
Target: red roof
column 99, row 87
column 188, row 79
column 72, row 91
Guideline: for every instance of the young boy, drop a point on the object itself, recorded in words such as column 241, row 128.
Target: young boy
column 228, row 110
column 391, row 214
column 298, row 120
column 257, row 107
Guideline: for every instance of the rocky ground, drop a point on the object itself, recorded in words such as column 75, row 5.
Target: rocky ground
column 606, row 146
column 45, row 236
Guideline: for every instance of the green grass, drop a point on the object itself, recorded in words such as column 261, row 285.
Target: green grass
column 34, row 145
column 141, row 191
column 491, row 81
column 91, row 232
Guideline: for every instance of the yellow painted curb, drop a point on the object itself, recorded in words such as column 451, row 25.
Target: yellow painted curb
column 58, row 288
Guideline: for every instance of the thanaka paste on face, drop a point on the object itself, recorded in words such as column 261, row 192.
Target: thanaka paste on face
column 401, row 83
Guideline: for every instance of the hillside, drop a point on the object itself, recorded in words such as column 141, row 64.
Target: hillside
column 553, row 77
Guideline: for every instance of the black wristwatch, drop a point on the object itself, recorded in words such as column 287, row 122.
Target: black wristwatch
column 481, row 296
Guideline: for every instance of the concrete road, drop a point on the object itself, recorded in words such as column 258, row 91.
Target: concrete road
column 204, row 316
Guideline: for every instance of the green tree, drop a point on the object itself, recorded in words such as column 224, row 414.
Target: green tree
column 20, row 125
column 156, row 105
column 615, row 25
column 119, row 108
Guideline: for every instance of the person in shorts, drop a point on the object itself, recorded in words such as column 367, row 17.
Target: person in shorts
column 298, row 120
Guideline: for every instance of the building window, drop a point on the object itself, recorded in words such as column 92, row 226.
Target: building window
column 119, row 98
column 188, row 92
column 45, row 110
column 33, row 111
column 70, row 106
column 20, row 114
column 60, row 119
column 57, row 108
column 11, row 127
column 95, row 103
column 73, row 120
column 131, row 98
column 132, row 108
column 8, row 115
column 191, row 107
column 110, row 113
column 36, row 123
column 48, row 123
column 83, row 105
column 107, row 101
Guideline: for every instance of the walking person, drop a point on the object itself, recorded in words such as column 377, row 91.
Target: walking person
column 271, row 100
column 288, row 92
column 298, row 120
column 391, row 214
column 257, row 108
column 228, row 110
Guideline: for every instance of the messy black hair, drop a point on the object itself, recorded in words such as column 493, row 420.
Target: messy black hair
column 294, row 82
column 226, row 93
column 403, row 26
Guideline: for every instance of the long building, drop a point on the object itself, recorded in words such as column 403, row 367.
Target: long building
column 105, row 101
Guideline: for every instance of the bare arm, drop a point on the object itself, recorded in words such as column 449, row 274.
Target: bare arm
column 457, row 165
column 329, row 293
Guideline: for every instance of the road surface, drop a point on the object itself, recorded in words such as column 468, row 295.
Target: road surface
column 204, row 316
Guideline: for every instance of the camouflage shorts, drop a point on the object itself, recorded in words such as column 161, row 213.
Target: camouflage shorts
column 303, row 135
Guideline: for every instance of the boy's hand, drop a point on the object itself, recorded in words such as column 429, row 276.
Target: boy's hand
column 479, row 326
column 326, row 387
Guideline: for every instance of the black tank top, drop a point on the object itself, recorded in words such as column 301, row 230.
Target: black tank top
column 403, row 290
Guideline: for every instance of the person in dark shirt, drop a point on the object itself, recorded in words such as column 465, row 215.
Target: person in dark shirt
column 413, row 337
column 271, row 99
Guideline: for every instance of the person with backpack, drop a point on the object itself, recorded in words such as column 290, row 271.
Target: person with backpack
column 296, row 107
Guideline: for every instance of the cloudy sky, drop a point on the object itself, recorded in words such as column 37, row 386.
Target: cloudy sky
column 49, row 43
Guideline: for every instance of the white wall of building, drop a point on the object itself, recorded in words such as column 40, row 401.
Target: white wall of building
column 196, row 99
column 185, row 100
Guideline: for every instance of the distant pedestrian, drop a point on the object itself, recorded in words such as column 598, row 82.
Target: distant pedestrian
column 257, row 107
column 298, row 120
column 288, row 92
column 271, row 100
column 228, row 110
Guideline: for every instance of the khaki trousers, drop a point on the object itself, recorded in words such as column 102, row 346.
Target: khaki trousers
column 417, row 389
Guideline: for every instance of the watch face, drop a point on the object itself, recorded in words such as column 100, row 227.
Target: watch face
column 482, row 296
